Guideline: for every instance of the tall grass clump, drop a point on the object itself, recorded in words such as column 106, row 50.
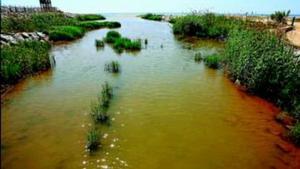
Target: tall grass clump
column 295, row 134
column 66, row 33
column 22, row 59
column 280, row 17
column 127, row 44
column 97, row 25
column 151, row 16
column 206, row 25
column 99, row 43
column 89, row 17
column 111, row 36
column 93, row 140
column 213, row 61
column 266, row 66
column 198, row 57
column 113, row 67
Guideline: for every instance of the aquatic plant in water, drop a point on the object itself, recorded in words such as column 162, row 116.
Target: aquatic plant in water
column 212, row 61
column 93, row 140
column 99, row 43
column 111, row 36
column 113, row 67
column 198, row 57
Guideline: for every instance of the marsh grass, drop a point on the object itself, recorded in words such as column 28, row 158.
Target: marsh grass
column 89, row 25
column 99, row 43
column 111, row 36
column 127, row 44
column 151, row 16
column 113, row 67
column 93, row 140
column 198, row 57
column 60, row 33
column 89, row 17
column 213, row 61
column 22, row 59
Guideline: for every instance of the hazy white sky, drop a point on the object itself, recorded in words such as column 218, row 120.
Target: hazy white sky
column 222, row 6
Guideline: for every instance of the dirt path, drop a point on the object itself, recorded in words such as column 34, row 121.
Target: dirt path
column 294, row 35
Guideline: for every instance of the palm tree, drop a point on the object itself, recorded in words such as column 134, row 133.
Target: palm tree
column 280, row 17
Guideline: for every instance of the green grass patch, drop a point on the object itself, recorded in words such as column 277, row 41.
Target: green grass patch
column 26, row 58
column 111, row 36
column 127, row 44
column 266, row 66
column 66, row 33
column 213, row 61
column 113, row 67
column 295, row 134
column 97, row 25
column 93, row 140
column 89, row 17
column 151, row 16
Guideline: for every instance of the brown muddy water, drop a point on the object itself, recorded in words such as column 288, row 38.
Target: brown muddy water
column 168, row 111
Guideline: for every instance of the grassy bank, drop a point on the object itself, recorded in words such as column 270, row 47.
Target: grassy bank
column 57, row 25
column 89, row 17
column 23, row 59
column 266, row 66
column 150, row 16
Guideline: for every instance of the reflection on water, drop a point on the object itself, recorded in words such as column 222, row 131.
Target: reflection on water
column 168, row 111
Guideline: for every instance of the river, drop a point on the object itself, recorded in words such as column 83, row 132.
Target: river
column 168, row 112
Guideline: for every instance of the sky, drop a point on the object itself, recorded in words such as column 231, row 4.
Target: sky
column 160, row 6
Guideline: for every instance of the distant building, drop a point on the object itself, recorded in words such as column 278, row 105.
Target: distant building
column 46, row 5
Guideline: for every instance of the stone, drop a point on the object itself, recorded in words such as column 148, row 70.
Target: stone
column 41, row 35
column 237, row 82
column 19, row 37
column 25, row 35
column 6, row 38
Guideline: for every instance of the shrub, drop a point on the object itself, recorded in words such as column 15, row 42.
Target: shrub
column 98, row 25
column 266, row 66
column 93, row 140
column 295, row 134
column 107, row 90
column 151, row 16
column 111, row 36
column 89, row 17
column 198, row 57
column 99, row 43
column 113, row 67
column 65, row 33
column 23, row 59
column 280, row 16
column 212, row 61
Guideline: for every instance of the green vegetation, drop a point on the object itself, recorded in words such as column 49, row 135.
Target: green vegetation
column 93, row 140
column 127, row 44
column 111, row 36
column 59, row 26
column 150, row 16
column 213, row 61
column 89, row 17
column 97, row 25
column 266, row 66
column 99, row 43
column 204, row 25
column 295, row 133
column 36, row 22
column 99, row 110
column 113, row 67
column 23, row 59
column 280, row 17
column 120, row 43
column 66, row 33
column 198, row 57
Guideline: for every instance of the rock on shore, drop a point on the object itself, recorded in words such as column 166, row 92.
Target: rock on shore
column 14, row 38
